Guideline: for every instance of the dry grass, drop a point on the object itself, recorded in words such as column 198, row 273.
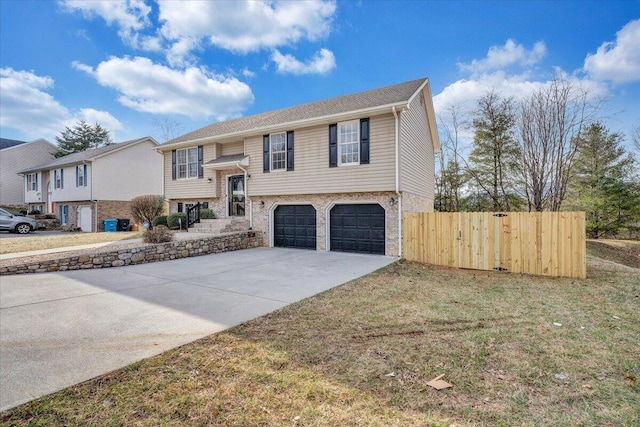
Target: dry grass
column 325, row 361
column 9, row 245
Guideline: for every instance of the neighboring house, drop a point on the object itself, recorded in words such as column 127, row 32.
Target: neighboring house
column 83, row 189
column 329, row 175
column 16, row 156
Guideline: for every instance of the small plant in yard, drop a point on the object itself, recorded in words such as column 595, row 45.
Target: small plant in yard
column 159, row 234
column 174, row 220
column 146, row 208
column 159, row 220
column 207, row 214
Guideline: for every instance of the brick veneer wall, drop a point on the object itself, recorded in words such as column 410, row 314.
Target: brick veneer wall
column 141, row 254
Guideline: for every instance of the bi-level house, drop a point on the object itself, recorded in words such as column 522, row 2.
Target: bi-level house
column 331, row 175
column 83, row 189
column 16, row 156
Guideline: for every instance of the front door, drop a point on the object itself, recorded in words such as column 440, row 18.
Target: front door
column 236, row 195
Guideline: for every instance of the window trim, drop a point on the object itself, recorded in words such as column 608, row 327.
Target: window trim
column 58, row 179
column 81, row 176
column 341, row 144
column 32, row 182
column 283, row 152
column 187, row 163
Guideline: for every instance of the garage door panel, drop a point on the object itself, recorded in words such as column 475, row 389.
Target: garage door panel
column 358, row 228
column 295, row 226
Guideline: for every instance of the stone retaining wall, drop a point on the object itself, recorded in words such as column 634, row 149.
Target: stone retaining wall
column 143, row 253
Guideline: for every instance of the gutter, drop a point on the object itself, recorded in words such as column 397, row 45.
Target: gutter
column 398, row 195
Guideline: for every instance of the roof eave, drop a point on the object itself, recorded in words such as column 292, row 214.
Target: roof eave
column 282, row 126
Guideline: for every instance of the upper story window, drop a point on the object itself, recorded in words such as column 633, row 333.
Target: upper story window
column 58, row 178
column 187, row 163
column 349, row 143
column 277, row 152
column 32, row 182
column 81, row 176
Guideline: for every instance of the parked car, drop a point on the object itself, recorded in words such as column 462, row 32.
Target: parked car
column 16, row 223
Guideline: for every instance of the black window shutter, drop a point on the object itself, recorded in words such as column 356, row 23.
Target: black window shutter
column 77, row 181
column 173, row 164
column 179, row 207
column 265, row 154
column 290, row 150
column 61, row 178
column 364, row 141
column 333, row 146
column 200, row 161
column 85, row 175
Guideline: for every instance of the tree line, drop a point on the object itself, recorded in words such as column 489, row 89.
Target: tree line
column 547, row 151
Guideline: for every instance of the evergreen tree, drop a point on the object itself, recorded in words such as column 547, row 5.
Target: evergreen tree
column 602, row 184
column 82, row 137
column 493, row 158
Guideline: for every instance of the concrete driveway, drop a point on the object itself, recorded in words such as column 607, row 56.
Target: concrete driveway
column 59, row 329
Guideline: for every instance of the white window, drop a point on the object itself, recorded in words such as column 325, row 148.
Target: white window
column 187, row 163
column 32, row 182
column 278, row 152
column 81, row 179
column 58, row 178
column 349, row 143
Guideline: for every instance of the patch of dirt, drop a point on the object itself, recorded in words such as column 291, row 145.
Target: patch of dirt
column 625, row 252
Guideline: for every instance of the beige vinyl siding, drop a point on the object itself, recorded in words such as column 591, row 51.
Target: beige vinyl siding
column 312, row 174
column 231, row 148
column 192, row 188
column 417, row 169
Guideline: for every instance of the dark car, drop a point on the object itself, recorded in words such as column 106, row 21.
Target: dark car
column 17, row 223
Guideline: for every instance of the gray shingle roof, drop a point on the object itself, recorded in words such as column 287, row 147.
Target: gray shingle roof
column 388, row 95
column 87, row 155
column 7, row 143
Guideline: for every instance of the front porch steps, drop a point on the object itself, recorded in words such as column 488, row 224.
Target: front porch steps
column 220, row 225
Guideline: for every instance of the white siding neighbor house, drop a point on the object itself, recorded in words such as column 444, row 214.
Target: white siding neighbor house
column 83, row 189
column 18, row 157
column 331, row 175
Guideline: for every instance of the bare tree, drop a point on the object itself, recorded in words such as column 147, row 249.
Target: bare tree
column 550, row 120
column 168, row 128
column 450, row 178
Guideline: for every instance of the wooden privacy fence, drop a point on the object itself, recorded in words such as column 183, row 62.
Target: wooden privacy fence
column 540, row 243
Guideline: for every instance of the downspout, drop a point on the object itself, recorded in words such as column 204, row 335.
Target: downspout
column 398, row 195
column 246, row 194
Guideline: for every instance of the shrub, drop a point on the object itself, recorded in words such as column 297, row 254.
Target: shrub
column 50, row 216
column 159, row 220
column 207, row 214
column 158, row 234
column 172, row 220
column 34, row 212
column 146, row 208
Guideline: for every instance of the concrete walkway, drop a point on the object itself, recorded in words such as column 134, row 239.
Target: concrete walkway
column 59, row 329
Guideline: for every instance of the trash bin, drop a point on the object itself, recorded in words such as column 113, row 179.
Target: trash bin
column 110, row 224
column 123, row 224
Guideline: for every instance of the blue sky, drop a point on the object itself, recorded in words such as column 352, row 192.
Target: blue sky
column 133, row 64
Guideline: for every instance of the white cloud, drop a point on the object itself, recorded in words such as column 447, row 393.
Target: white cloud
column 130, row 16
column 244, row 25
column 617, row 61
column 105, row 119
column 29, row 108
column 501, row 57
column 153, row 88
column 322, row 62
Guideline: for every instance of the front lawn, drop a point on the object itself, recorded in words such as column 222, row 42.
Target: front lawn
column 518, row 350
column 33, row 242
